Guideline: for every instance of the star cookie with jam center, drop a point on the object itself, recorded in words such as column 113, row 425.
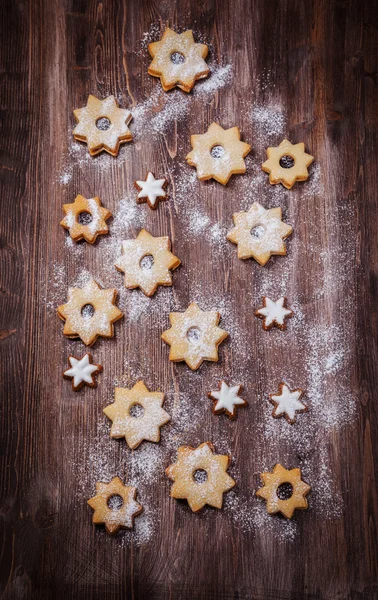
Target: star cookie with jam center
column 287, row 163
column 294, row 498
column 114, row 505
column 274, row 313
column 82, row 372
column 85, row 218
column 227, row 399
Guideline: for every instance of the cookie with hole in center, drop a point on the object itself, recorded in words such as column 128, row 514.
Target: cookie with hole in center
column 287, row 163
column 85, row 219
column 114, row 505
column 293, row 495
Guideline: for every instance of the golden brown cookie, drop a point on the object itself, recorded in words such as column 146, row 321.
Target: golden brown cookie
column 194, row 336
column 293, row 497
column 93, row 218
column 125, row 505
column 146, row 262
column 82, row 372
column 259, row 233
column 178, row 60
column 89, row 313
column 274, row 313
column 287, row 163
column 227, row 399
column 218, row 153
column 102, row 125
column 151, row 190
column 200, row 476
column 287, row 403
column 137, row 415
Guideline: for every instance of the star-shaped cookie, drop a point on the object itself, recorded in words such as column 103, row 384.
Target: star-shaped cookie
column 274, row 313
column 259, row 233
column 151, row 190
column 271, row 491
column 138, row 427
column 218, row 153
column 120, row 516
column 287, row 403
column 287, row 163
column 94, row 222
column 82, row 372
column 226, row 399
column 102, row 125
column 178, row 60
column 194, row 336
column 146, row 262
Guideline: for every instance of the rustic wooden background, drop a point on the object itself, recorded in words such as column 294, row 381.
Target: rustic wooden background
column 306, row 70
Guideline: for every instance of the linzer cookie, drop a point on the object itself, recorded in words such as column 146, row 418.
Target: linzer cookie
column 151, row 190
column 102, row 125
column 274, row 313
column 218, row 153
column 287, row 403
column 89, row 313
column 114, row 505
column 85, row 219
column 82, row 372
column 284, row 491
column 259, row 233
column 200, row 476
column 227, row 399
column 178, row 60
column 287, row 163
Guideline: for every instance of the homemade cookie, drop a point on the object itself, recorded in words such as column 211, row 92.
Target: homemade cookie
column 194, row 336
column 200, row 476
column 151, row 190
column 291, row 496
column 89, row 313
column 178, row 60
column 102, row 125
column 259, row 233
column 287, row 163
column 82, row 372
column 120, row 496
column 85, row 218
column 287, row 403
column 274, row 313
column 137, row 415
column 226, row 399
column 146, row 262
column 218, row 153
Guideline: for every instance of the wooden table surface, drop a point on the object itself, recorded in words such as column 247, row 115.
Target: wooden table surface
column 302, row 70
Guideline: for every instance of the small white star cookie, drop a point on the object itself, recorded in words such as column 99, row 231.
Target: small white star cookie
column 194, row 336
column 287, row 163
column 287, row 403
column 145, row 422
column 226, row 399
column 125, row 509
column 94, row 219
column 259, row 233
column 200, row 476
column 151, row 190
column 218, row 153
column 178, row 60
column 82, row 372
column 274, row 313
column 102, row 125
column 271, row 491
column 146, row 262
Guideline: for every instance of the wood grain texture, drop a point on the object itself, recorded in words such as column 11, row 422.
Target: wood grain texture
column 314, row 61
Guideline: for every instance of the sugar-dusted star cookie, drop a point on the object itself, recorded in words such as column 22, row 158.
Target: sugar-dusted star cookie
column 114, row 505
column 178, row 60
column 259, row 233
column 85, row 218
column 287, row 403
column 151, row 190
column 82, row 372
column 102, row 125
column 226, row 399
column 287, row 163
column 284, row 491
column 89, row 313
column 194, row 336
column 146, row 262
column 137, row 414
column 200, row 476
column 218, row 153
column 274, row 313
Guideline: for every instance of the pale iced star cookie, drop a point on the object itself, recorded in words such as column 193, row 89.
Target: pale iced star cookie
column 146, row 262
column 114, row 505
column 82, row 372
column 89, row 313
column 288, row 498
column 287, row 163
column 218, row 153
column 227, row 399
column 259, row 233
column 137, row 415
column 178, row 60
column 85, row 218
column 274, row 313
column 102, row 125
column 200, row 476
column 287, row 403
column 151, row 190
column 194, row 336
